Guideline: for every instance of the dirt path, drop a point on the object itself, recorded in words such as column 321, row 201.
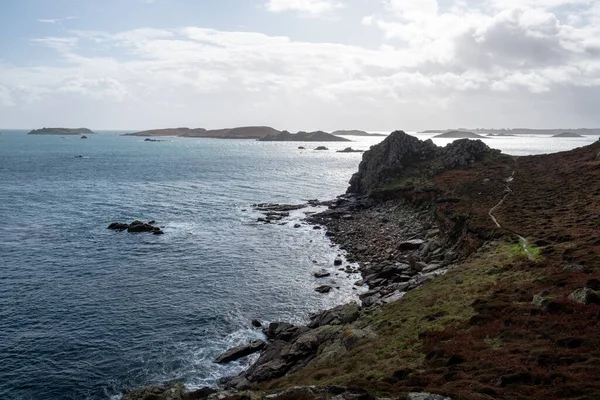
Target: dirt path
column 508, row 191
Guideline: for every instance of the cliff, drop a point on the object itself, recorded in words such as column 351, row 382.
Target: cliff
column 60, row 131
column 317, row 136
column 401, row 155
column 246, row 132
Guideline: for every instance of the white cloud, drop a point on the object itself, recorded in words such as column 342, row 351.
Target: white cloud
column 307, row 7
column 55, row 20
column 445, row 65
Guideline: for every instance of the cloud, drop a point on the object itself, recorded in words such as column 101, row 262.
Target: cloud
column 55, row 20
column 448, row 66
column 306, row 7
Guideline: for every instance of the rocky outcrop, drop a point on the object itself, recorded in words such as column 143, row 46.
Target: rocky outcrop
column 318, row 136
column 350, row 150
column 401, row 155
column 60, row 131
column 236, row 353
column 136, row 227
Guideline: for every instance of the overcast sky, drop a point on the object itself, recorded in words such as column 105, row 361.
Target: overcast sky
column 376, row 65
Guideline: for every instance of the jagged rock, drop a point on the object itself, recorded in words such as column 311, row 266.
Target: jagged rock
column 240, row 352
column 386, row 161
column 585, row 296
column 343, row 314
column 118, row 226
column 172, row 391
column 283, row 331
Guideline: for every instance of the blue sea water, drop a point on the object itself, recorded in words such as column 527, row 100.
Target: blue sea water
column 87, row 313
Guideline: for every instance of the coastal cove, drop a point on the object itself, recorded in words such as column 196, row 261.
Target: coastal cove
column 192, row 291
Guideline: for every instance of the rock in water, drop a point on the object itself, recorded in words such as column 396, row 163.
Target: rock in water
column 321, row 274
column 321, row 148
column 323, row 289
column 240, row 351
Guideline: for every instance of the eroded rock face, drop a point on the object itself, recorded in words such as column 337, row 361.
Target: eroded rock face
column 386, row 162
column 396, row 152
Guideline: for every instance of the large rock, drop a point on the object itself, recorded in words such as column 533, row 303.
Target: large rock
column 387, row 161
column 343, row 314
column 240, row 351
column 394, row 153
column 585, row 296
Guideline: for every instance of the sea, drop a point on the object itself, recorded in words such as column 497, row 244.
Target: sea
column 89, row 313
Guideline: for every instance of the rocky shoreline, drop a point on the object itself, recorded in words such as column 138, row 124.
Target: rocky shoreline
column 415, row 212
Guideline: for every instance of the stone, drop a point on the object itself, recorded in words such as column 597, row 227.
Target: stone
column 172, row 391
column 321, row 148
column 337, row 262
column 201, row 393
column 321, row 274
column 240, row 352
column 585, row 296
column 340, row 315
column 118, row 226
column 301, row 148
column 574, row 268
column 323, row 289
column 283, row 331
column 256, row 323
column 540, row 299
column 297, row 226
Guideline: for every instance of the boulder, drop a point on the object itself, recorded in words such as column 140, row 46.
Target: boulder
column 323, row 289
column 322, row 274
column 283, row 331
column 118, row 226
column 340, row 315
column 256, row 323
column 321, row 148
column 414, row 244
column 240, row 351
column 337, row 262
column 585, row 296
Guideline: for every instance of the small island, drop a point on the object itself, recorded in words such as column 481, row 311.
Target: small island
column 244, row 132
column 61, row 131
column 318, row 136
column 567, row 135
column 459, row 135
column 354, row 132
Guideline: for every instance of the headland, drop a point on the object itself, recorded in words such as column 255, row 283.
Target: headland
column 458, row 307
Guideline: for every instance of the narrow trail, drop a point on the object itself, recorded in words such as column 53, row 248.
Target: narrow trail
column 508, row 191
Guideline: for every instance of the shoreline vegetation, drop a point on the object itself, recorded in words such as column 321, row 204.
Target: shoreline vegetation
column 457, row 306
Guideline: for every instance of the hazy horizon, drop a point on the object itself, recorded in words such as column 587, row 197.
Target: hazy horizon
column 301, row 65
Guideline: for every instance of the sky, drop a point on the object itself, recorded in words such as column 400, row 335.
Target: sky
column 377, row 65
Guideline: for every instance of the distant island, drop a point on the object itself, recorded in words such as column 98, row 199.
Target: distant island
column 318, row 136
column 567, row 135
column 246, row 132
column 523, row 131
column 459, row 135
column 354, row 132
column 60, row 131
